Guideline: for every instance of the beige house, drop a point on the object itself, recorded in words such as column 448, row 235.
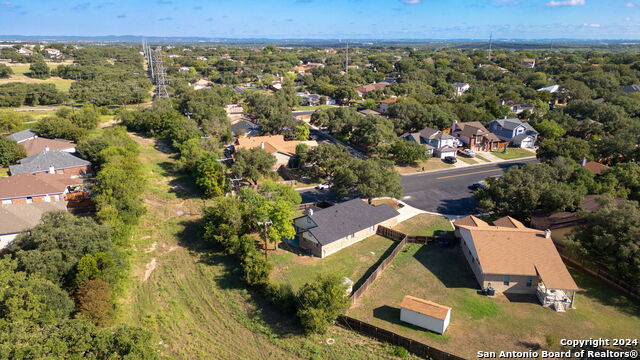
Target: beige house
column 426, row 314
column 276, row 145
column 514, row 259
column 326, row 231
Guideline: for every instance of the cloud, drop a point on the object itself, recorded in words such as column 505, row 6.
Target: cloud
column 630, row 5
column 6, row 3
column 197, row 8
column 592, row 25
column 411, row 2
column 555, row 3
column 81, row 6
column 304, row 1
column 164, row 2
column 209, row 19
column 165, row 19
column 121, row 16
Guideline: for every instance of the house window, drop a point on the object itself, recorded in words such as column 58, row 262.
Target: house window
column 529, row 281
column 505, row 280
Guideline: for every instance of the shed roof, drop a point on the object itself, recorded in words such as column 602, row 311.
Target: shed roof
column 425, row 307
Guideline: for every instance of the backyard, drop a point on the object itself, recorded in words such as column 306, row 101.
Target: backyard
column 513, row 153
column 440, row 274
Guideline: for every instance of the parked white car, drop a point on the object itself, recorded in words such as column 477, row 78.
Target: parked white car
column 324, row 186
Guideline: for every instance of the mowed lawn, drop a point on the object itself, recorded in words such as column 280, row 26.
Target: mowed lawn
column 440, row 274
column 353, row 262
column 20, row 72
column 431, row 164
column 513, row 153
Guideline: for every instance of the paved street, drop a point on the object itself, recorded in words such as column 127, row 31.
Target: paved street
column 446, row 191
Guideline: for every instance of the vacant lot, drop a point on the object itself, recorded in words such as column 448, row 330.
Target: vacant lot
column 440, row 274
column 20, row 72
column 191, row 296
column 513, row 153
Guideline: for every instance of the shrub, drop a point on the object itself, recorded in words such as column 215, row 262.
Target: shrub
column 321, row 302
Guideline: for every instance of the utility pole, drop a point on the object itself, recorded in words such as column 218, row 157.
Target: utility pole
column 490, row 44
column 265, row 224
column 346, row 63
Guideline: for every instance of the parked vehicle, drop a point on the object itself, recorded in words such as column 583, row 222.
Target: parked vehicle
column 479, row 185
column 324, row 186
column 450, row 160
column 468, row 152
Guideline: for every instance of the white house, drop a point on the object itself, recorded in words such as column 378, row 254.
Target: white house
column 438, row 143
column 461, row 88
column 425, row 314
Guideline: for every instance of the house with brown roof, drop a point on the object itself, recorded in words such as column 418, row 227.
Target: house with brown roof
column 364, row 89
column 16, row 218
column 37, row 145
column 563, row 222
column 276, row 145
column 473, row 135
column 529, row 63
column 594, row 167
column 510, row 258
column 36, row 188
column 383, row 105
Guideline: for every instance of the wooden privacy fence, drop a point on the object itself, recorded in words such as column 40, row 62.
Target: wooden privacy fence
column 374, row 275
column 390, row 337
column 390, row 233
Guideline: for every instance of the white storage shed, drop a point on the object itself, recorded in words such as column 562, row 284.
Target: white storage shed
column 425, row 314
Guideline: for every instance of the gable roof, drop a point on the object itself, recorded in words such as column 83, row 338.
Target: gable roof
column 22, row 135
column 470, row 221
column 471, row 128
column 520, row 251
column 38, row 144
column 369, row 112
column 631, row 88
column 372, row 87
column 509, row 222
column 272, row 144
column 347, row 218
column 44, row 160
column 25, row 185
column 392, row 100
column 425, row 307
column 512, row 124
column 245, row 125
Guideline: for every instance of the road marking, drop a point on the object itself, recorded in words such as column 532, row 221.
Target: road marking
column 465, row 174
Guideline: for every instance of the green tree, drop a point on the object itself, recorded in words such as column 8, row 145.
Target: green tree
column 377, row 178
column 87, row 117
column 210, row 176
column 10, row 121
column 224, row 223
column 321, row 302
column 94, row 302
column 39, row 70
column 59, row 128
column 10, row 152
column 5, row 71
column 253, row 164
column 569, row 147
column 91, row 147
column 550, row 129
column 329, row 158
column 302, row 132
column 408, row 152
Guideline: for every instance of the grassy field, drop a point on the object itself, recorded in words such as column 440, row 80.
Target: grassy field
column 478, row 323
column 482, row 158
column 20, row 72
column 431, row 164
column 513, row 153
column 352, row 262
column 467, row 160
column 191, row 296
column 425, row 225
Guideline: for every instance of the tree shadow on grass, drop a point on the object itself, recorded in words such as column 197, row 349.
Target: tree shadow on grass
column 279, row 322
column 447, row 264
column 183, row 184
column 603, row 293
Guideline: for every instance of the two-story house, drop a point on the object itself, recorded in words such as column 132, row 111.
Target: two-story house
column 438, row 143
column 514, row 131
column 473, row 135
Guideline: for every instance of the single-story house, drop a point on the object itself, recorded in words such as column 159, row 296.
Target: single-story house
column 53, row 162
column 440, row 144
column 529, row 63
column 245, row 128
column 326, row 231
column 517, row 107
column 276, row 145
column 201, row 84
column 35, row 188
column 366, row 112
column 425, row 314
column 23, row 135
column 552, row 89
column 315, row 99
column 514, row 131
column 510, row 258
column 594, row 167
column 383, row 105
column 563, row 222
column 461, row 88
column 37, row 145
column 364, row 89
column 473, row 135
column 16, row 218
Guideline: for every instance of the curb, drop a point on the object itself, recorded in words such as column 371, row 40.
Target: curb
column 465, row 167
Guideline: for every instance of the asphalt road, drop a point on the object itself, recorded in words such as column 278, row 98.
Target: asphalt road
column 445, row 191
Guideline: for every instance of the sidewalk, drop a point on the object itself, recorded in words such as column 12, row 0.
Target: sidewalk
column 461, row 164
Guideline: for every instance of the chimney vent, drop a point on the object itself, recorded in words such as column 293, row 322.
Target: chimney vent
column 584, row 161
column 547, row 234
column 46, row 148
column 310, row 212
column 52, row 170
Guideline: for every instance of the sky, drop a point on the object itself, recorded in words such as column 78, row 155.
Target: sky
column 326, row 19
